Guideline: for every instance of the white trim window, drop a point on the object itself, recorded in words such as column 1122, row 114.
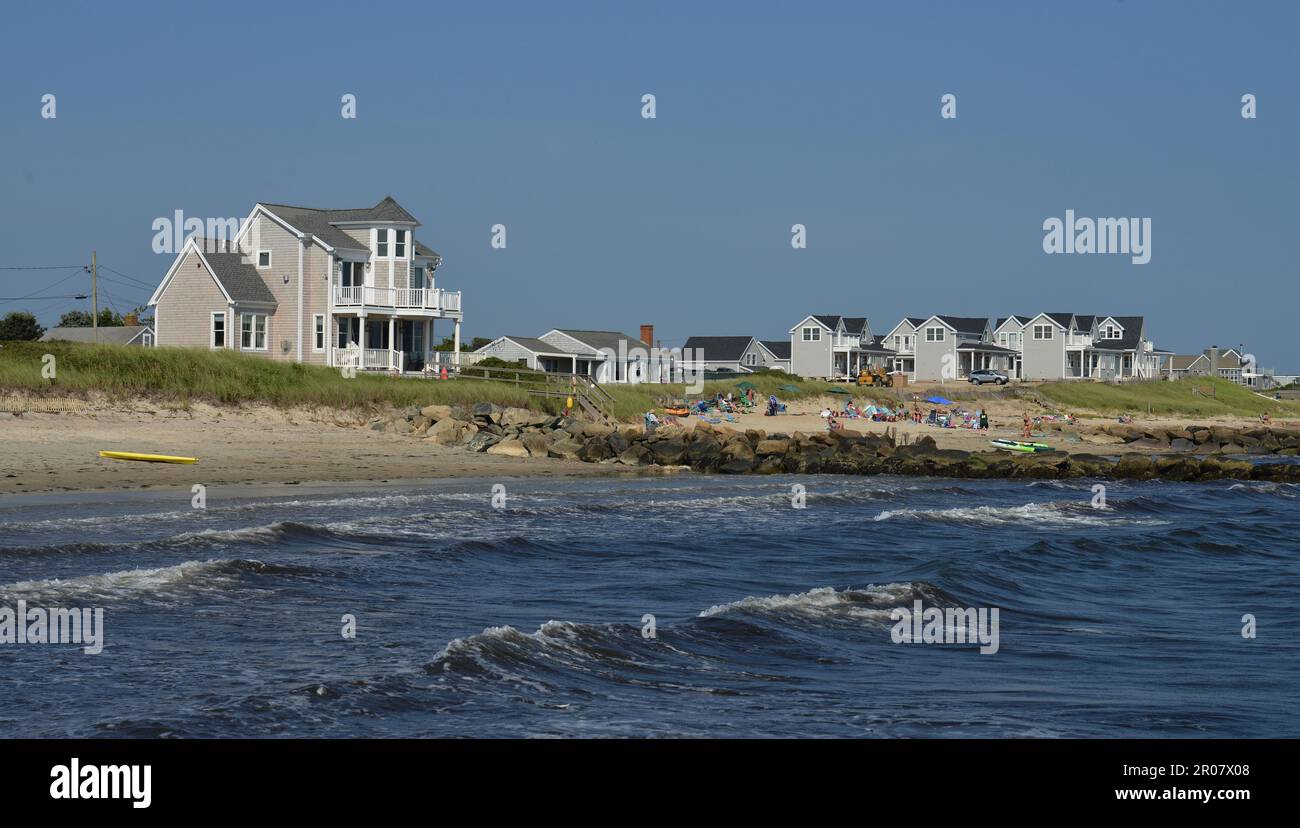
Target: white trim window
column 381, row 242
column 217, row 330
column 147, row 339
column 812, row 334
column 1112, row 332
column 352, row 274
column 751, row 359
column 1043, row 332
column 318, row 332
column 252, row 332
column 263, row 259
column 935, row 334
column 399, row 244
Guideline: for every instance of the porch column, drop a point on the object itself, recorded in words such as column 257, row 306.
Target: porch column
column 428, row 341
column 455, row 340
column 361, row 338
column 392, row 340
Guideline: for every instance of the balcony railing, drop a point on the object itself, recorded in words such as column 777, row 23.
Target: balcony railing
column 397, row 298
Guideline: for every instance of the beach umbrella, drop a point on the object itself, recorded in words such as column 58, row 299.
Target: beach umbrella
column 789, row 389
column 835, row 389
column 745, row 385
column 938, row 401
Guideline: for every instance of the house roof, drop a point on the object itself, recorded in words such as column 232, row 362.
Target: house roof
column 109, row 335
column 1020, row 318
column 241, row 279
column 829, row 320
column 780, row 348
column 855, row 324
column 719, row 348
column 965, row 324
column 324, row 223
column 597, row 340
column 1181, row 362
column 1062, row 319
column 533, row 344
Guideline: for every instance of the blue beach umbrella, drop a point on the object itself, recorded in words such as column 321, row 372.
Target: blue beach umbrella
column 938, row 401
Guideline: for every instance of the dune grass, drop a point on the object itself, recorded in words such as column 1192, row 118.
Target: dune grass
column 1183, row 396
column 180, row 376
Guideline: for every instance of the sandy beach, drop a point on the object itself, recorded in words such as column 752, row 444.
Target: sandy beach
column 46, row 452
column 60, row 452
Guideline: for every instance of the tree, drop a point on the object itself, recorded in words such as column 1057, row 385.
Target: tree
column 21, row 326
column 474, row 344
column 75, row 319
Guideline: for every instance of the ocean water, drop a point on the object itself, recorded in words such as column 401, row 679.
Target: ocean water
column 530, row 620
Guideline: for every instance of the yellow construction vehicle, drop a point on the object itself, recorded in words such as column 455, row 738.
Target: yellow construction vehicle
column 876, row 378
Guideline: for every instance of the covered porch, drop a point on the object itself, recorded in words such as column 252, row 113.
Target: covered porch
column 375, row 342
column 982, row 356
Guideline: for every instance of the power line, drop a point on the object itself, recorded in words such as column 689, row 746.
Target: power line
column 140, row 282
column 44, row 267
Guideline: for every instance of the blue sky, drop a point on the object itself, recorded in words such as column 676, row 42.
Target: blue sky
column 824, row 114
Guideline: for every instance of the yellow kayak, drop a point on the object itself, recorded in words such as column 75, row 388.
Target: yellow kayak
column 148, row 458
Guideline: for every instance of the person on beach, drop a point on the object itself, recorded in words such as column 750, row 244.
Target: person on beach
column 984, row 421
column 1028, row 430
column 651, row 422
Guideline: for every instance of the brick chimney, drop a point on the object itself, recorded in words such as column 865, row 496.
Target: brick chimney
column 648, row 334
column 131, row 319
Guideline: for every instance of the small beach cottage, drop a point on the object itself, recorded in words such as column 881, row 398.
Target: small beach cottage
column 322, row 286
column 741, row 354
column 605, row 356
column 826, row 346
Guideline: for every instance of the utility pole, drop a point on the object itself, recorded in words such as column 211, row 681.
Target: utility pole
column 94, row 295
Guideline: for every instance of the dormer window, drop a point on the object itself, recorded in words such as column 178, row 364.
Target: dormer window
column 382, row 237
column 400, row 246
column 263, row 258
column 1112, row 332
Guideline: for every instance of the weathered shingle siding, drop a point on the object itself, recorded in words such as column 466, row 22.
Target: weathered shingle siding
column 810, row 359
column 268, row 235
column 510, row 352
column 183, row 316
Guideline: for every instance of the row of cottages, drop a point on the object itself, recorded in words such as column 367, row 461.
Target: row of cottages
column 1230, row 364
column 327, row 287
column 734, row 354
column 605, row 356
column 1048, row 346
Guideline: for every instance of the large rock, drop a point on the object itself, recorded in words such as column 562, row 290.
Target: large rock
column 668, row 452
column 446, row 432
column 482, row 441
column 772, row 446
column 436, row 412
column 536, row 443
column 636, row 455
column 1133, row 467
column 593, row 450
column 566, row 448
column 510, row 448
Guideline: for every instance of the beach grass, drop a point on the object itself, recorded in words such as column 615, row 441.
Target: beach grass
column 179, row 376
column 1198, row 396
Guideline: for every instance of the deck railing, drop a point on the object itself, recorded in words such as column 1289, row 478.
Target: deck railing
column 397, row 298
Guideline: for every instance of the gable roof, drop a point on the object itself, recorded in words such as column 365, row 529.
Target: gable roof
column 597, row 340
column 325, row 224
column 528, row 343
column 1019, row 318
column 108, row 334
column 241, row 279
column 719, row 348
column 237, row 281
column 780, row 348
column 855, row 324
column 829, row 320
column 1181, row 362
column 964, row 324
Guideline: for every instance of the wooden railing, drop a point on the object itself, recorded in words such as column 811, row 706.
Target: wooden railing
column 588, row 397
column 397, row 298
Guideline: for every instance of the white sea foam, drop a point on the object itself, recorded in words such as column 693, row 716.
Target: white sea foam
column 1030, row 514
column 871, row 603
column 167, row 582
